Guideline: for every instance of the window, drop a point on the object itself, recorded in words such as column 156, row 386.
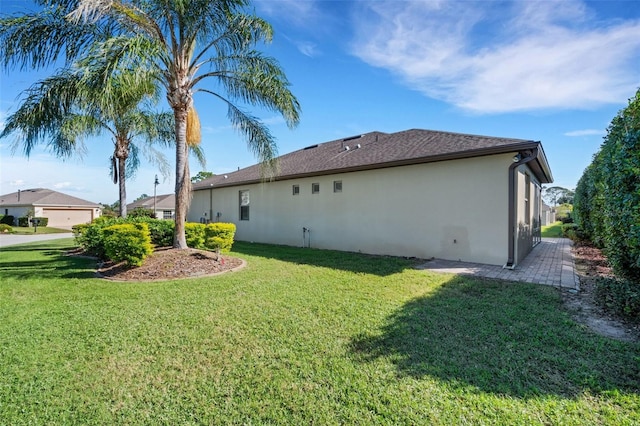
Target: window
column 337, row 186
column 167, row 214
column 527, row 198
column 296, row 189
column 244, row 205
column 315, row 188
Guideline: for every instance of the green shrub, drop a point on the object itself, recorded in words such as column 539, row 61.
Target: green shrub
column 570, row 230
column 23, row 221
column 607, row 198
column 8, row 220
column 79, row 229
column 195, row 234
column 128, row 242
column 619, row 296
column 91, row 238
column 5, row 229
column 42, row 221
column 141, row 212
column 219, row 236
column 161, row 230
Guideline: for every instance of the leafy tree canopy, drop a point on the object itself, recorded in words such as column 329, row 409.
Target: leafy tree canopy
column 201, row 176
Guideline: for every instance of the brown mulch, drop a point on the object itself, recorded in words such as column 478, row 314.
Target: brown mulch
column 591, row 264
column 171, row 264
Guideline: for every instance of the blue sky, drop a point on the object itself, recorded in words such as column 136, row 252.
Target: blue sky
column 554, row 71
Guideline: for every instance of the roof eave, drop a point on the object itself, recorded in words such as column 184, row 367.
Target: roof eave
column 503, row 149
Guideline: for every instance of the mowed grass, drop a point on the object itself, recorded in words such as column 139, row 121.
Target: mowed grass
column 25, row 230
column 300, row 336
column 552, row 231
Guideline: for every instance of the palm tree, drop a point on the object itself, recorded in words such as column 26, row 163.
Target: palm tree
column 73, row 103
column 185, row 43
column 69, row 106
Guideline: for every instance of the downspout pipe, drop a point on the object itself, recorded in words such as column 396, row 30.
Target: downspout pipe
column 525, row 157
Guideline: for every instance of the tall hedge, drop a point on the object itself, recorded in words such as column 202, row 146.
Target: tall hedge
column 607, row 202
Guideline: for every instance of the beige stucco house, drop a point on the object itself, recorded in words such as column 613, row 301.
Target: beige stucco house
column 164, row 206
column 416, row 193
column 62, row 210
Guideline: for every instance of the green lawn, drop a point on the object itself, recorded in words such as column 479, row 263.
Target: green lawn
column 25, row 230
column 300, row 336
column 552, row 231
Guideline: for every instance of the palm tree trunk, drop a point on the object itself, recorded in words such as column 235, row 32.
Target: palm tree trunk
column 183, row 183
column 122, row 187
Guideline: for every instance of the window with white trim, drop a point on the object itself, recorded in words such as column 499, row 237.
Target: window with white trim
column 337, row 186
column 244, row 205
column 315, row 188
column 295, row 189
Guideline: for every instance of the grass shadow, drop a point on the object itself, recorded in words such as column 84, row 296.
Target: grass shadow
column 48, row 258
column 502, row 338
column 346, row 261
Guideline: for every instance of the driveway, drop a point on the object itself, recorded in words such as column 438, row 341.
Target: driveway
column 550, row 262
column 11, row 239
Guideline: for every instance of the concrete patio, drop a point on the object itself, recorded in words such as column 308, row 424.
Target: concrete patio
column 550, row 263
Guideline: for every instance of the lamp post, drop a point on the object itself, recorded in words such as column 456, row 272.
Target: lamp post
column 155, row 185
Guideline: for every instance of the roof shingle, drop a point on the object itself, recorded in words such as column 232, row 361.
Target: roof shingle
column 43, row 197
column 378, row 150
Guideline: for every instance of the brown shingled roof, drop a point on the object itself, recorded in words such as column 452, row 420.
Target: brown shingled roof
column 379, row 150
column 43, row 197
column 164, row 202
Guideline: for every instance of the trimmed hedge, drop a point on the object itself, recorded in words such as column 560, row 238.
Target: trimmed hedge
column 128, row 242
column 8, row 220
column 607, row 200
column 24, row 221
column 91, row 237
column 619, row 296
column 216, row 236
column 5, row 229
column 219, row 236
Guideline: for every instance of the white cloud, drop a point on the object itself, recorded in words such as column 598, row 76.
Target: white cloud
column 61, row 185
column 585, row 132
column 486, row 58
column 296, row 12
column 307, row 48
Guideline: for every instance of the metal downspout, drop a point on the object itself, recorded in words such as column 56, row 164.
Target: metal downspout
column 530, row 155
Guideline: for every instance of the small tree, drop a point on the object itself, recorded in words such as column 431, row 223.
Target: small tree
column 201, row 176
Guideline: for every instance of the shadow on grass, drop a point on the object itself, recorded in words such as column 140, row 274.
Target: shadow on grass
column 346, row 261
column 51, row 263
column 502, row 338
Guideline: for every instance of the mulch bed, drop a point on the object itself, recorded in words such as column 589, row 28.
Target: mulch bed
column 170, row 264
column 591, row 264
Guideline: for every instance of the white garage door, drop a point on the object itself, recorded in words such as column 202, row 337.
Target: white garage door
column 67, row 217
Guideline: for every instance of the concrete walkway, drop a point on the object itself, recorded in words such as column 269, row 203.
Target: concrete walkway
column 550, row 263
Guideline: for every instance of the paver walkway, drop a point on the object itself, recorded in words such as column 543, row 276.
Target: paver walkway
column 550, row 262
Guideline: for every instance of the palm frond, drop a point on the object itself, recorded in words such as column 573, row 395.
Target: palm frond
column 198, row 153
column 257, row 80
column 36, row 40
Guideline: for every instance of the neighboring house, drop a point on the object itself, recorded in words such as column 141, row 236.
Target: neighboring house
column 164, row 206
column 548, row 215
column 416, row 193
column 62, row 210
